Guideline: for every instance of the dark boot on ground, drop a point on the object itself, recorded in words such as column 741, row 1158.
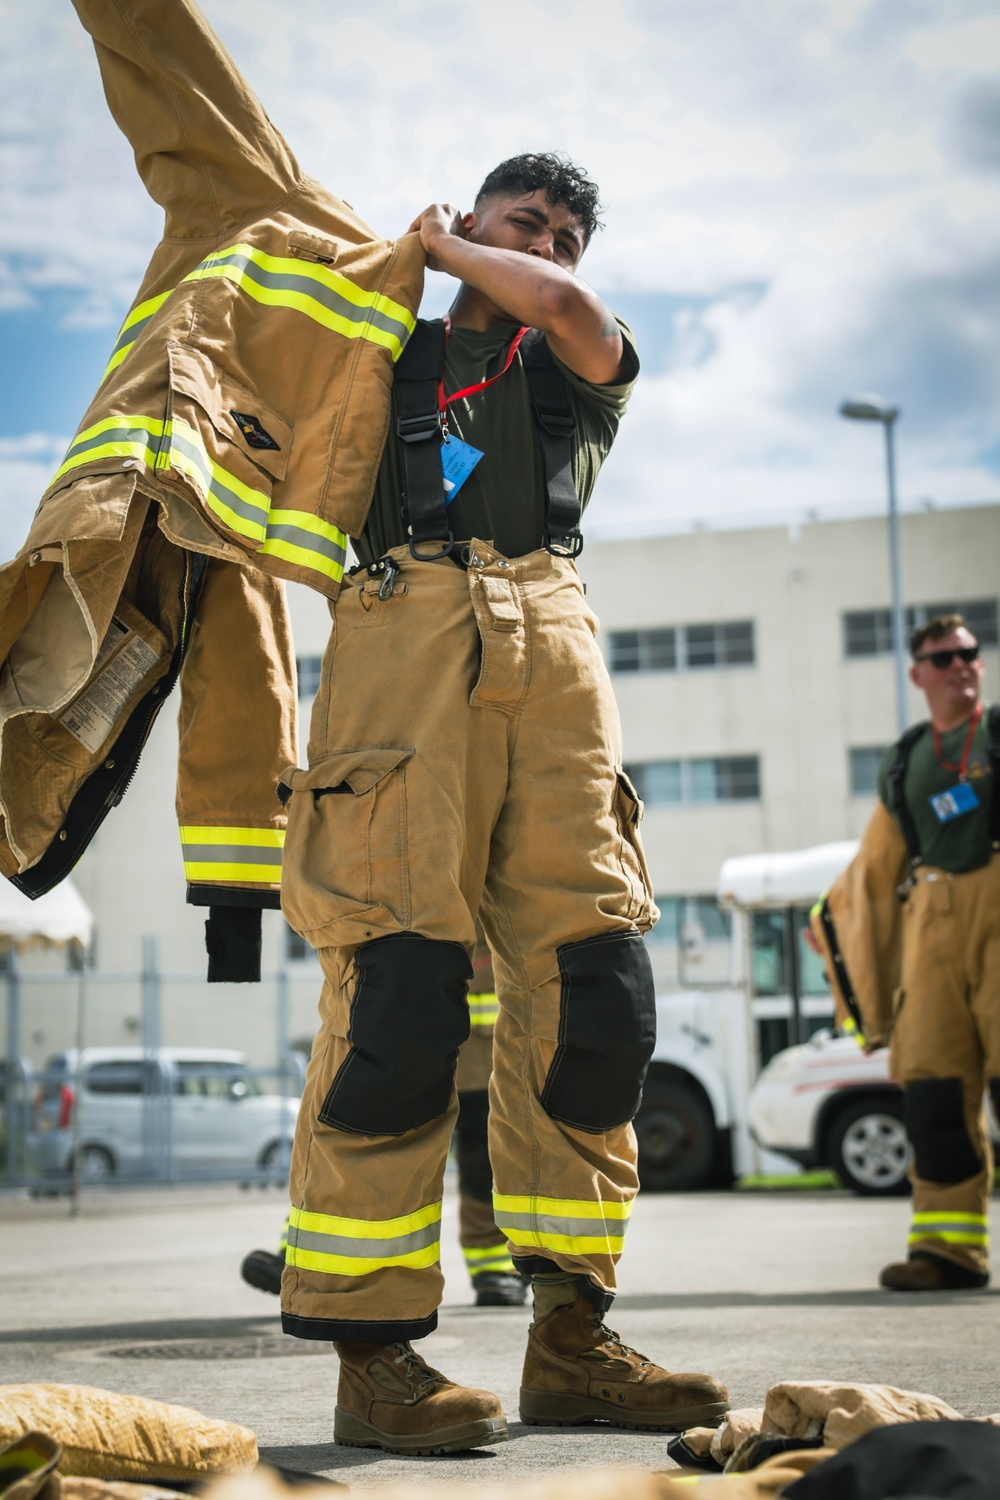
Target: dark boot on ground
column 499, row 1289
column 932, row 1273
column 390, row 1398
column 262, row 1269
column 578, row 1370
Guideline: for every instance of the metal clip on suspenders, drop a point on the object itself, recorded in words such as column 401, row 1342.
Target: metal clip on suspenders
column 420, row 429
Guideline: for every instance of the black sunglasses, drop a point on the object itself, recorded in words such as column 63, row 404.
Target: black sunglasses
column 944, row 659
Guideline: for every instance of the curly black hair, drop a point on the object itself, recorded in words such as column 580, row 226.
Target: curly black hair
column 562, row 181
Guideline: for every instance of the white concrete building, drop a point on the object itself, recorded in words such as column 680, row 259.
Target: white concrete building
column 755, row 686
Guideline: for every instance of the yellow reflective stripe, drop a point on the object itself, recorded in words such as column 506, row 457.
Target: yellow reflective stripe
column 497, row 1259
column 130, row 329
column 210, row 834
column 484, row 1009
column 572, row 1226
column 315, row 290
column 283, row 1242
column 302, row 1218
column 242, row 508
column 125, row 437
column 577, row 1208
column 233, row 855
column 952, row 1228
column 339, row 1246
column 308, row 541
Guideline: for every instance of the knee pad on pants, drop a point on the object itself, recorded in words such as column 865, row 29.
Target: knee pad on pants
column 472, row 1152
column 409, row 1016
column 934, row 1116
column 607, row 1031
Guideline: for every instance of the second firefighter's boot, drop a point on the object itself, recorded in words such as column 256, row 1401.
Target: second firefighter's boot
column 924, row 1272
column 390, row 1398
column 263, row 1269
column 578, row 1370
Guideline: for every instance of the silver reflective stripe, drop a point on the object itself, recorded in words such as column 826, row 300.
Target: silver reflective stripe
column 237, row 854
column 306, row 286
column 347, row 1245
column 214, row 485
column 310, row 541
column 552, row 1224
column 129, row 432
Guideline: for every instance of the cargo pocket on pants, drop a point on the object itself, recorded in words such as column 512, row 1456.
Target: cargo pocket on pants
column 628, row 811
column 345, row 872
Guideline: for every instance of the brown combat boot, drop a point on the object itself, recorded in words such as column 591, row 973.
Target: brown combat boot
column 931, row 1273
column 577, row 1370
column 390, row 1398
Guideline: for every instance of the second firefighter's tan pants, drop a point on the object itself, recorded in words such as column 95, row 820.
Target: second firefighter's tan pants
column 465, row 757
column 945, row 1050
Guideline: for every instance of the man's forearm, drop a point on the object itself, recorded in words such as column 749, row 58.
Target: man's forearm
column 534, row 291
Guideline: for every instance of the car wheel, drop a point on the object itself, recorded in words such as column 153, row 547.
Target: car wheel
column 96, row 1165
column 869, row 1149
column 276, row 1161
column 675, row 1131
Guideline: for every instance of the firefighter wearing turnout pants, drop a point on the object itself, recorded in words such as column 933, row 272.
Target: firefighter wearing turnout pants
column 465, row 757
column 911, row 933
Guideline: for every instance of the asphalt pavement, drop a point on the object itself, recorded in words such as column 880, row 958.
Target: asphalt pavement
column 141, row 1292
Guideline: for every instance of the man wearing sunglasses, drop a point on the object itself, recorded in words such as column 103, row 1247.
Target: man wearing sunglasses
column 911, row 932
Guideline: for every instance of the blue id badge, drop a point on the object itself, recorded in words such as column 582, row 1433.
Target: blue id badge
column 954, row 802
column 458, row 460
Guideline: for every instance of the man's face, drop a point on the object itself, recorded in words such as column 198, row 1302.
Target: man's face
column 531, row 224
column 954, row 690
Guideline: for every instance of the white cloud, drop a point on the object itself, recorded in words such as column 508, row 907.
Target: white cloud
column 802, row 148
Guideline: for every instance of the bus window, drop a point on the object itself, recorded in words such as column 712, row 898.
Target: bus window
column 812, row 973
column 769, row 968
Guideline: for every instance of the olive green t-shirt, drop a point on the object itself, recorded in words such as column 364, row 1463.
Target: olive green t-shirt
column 503, row 499
column 963, row 843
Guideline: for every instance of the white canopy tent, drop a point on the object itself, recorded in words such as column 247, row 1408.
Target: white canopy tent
column 55, row 919
column 783, row 879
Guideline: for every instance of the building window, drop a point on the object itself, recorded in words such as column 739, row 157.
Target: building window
column 679, row 783
column 684, row 647
column 307, row 669
column 868, row 632
column 864, row 763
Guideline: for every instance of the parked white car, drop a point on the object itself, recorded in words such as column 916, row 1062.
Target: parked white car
column 828, row 1104
column 158, row 1115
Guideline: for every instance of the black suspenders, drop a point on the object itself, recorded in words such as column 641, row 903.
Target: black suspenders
column 418, row 426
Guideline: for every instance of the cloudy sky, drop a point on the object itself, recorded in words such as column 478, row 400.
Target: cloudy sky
column 802, row 201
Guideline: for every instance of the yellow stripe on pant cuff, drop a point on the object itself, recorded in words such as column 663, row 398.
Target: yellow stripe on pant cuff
column 496, row 1258
column 953, row 1228
column 568, row 1226
column 336, row 1245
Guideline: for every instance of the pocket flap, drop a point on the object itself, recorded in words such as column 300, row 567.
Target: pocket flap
column 358, row 769
column 629, row 793
column 238, row 415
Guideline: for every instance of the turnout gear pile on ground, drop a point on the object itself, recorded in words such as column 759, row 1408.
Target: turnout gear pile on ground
column 122, row 1436
column 233, row 442
column 913, row 955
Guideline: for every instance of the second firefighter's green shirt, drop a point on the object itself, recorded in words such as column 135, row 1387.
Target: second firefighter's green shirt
column 503, row 499
column 963, row 843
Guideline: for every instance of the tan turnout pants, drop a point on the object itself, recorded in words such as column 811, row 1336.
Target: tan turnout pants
column 464, row 757
column 945, row 1050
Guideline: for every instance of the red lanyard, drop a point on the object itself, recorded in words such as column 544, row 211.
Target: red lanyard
column 470, row 390
column 946, row 764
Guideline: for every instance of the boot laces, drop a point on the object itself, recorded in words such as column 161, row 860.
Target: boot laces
column 414, row 1364
column 618, row 1345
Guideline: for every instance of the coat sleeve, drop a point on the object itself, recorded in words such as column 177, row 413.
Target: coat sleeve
column 237, row 733
column 858, row 924
column 203, row 145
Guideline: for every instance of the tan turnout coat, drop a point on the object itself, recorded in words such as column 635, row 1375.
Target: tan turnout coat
column 240, row 421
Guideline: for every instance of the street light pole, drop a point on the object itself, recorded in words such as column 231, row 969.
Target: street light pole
column 876, row 409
